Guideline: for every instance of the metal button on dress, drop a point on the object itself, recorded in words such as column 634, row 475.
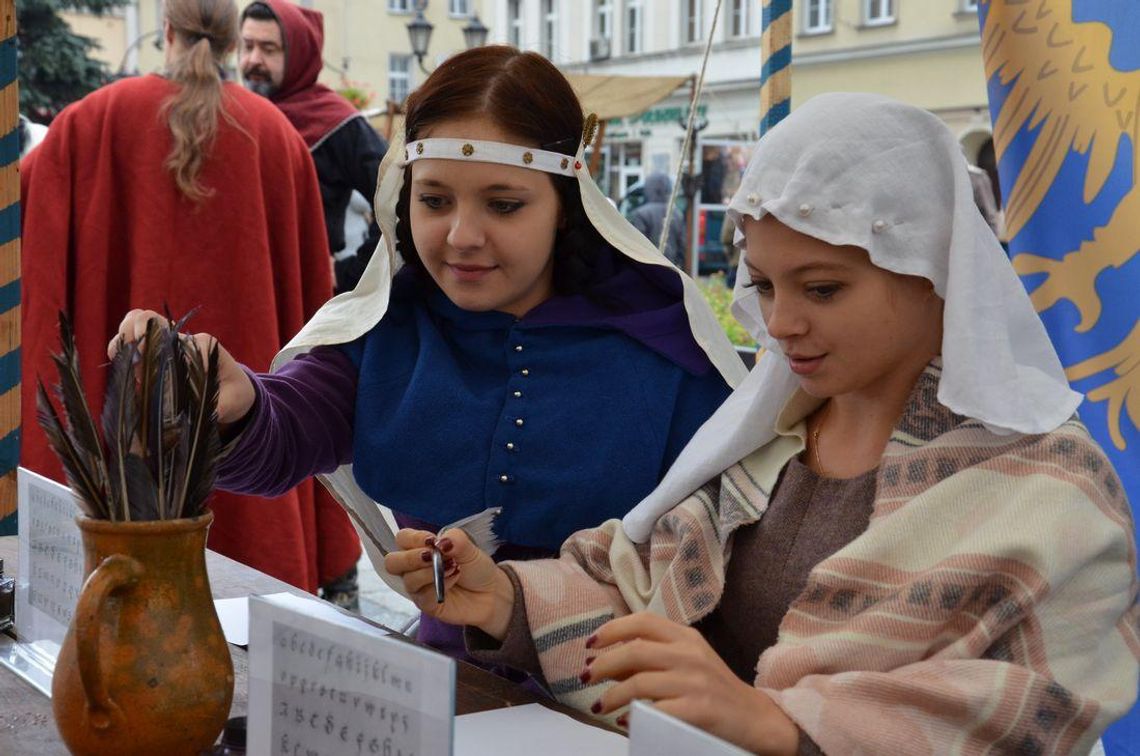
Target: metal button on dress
column 518, row 347
column 524, row 371
column 510, row 446
column 517, row 394
column 805, row 210
column 504, row 478
column 519, row 422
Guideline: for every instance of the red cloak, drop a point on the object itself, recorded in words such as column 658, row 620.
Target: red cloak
column 105, row 230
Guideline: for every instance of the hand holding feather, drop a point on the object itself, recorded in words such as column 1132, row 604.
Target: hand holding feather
column 235, row 391
column 479, row 593
column 156, row 455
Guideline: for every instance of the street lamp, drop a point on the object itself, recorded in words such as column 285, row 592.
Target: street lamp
column 475, row 33
column 419, row 32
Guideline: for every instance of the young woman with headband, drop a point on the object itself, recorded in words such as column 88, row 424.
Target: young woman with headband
column 514, row 343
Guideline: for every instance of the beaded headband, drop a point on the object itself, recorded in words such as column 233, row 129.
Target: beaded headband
column 491, row 152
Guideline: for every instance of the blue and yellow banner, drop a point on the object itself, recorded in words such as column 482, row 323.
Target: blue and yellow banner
column 9, row 271
column 1064, row 88
column 776, row 72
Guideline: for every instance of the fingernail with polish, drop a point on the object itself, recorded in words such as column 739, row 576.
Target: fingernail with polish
column 591, row 641
column 429, row 541
column 623, row 721
column 590, row 660
column 425, row 555
column 585, row 677
column 597, row 707
column 445, row 545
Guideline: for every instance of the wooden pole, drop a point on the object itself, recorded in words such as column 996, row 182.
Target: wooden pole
column 9, row 269
column 393, row 109
column 596, row 155
column 776, row 72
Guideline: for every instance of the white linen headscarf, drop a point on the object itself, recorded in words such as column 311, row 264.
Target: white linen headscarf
column 350, row 315
column 889, row 178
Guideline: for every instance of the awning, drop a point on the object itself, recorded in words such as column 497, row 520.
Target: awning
column 621, row 96
column 607, row 96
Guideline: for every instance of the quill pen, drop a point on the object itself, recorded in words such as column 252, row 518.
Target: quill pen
column 480, row 528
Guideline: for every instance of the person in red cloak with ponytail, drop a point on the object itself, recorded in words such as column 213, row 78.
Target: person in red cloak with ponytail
column 183, row 189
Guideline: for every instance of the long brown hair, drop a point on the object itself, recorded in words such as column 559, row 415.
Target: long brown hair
column 529, row 98
column 208, row 30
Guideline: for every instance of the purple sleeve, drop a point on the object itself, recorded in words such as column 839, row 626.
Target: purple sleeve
column 300, row 425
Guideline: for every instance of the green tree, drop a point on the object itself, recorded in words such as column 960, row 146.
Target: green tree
column 55, row 66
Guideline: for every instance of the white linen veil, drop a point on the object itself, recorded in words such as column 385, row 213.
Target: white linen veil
column 868, row 171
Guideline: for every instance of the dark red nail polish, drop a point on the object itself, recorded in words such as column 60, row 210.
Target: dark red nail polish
column 590, row 659
column 429, row 541
column 597, row 707
column 623, row 721
column 591, row 640
column 585, row 677
column 425, row 555
column 445, row 545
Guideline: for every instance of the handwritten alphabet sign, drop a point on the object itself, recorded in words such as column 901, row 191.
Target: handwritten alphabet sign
column 323, row 683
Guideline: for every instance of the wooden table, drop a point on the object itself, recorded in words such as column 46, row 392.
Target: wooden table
column 27, row 725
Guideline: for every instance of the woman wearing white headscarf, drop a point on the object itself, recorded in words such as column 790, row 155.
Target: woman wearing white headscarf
column 894, row 536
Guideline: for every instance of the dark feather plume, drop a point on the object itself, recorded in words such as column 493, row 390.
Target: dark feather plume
column 80, row 428
column 120, row 418
column 82, row 479
column 159, row 425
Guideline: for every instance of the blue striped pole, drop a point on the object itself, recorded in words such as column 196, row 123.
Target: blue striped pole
column 776, row 73
column 9, row 270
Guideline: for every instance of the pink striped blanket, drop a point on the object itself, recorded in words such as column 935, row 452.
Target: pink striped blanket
column 990, row 605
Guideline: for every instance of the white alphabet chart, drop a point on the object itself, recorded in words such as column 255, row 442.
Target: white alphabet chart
column 51, row 551
column 50, row 577
column 323, row 683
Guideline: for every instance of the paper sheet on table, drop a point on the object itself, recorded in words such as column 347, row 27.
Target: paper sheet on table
column 526, row 730
column 233, row 613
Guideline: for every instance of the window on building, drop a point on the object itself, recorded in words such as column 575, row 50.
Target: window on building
column 514, row 22
column 460, row 8
column 692, row 23
column 399, row 77
column 603, row 19
column 400, row 6
column 738, row 18
column 633, row 26
column 549, row 28
column 817, row 16
column 624, row 167
column 878, row 11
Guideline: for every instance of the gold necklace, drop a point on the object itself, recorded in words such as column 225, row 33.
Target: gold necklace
column 815, row 441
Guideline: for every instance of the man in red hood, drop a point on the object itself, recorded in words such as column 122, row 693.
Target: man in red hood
column 280, row 58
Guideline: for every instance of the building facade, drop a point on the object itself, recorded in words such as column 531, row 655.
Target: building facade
column 925, row 52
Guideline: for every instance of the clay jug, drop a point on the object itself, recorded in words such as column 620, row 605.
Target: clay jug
column 144, row 667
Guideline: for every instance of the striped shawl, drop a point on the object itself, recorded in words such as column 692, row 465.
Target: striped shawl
column 990, row 604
